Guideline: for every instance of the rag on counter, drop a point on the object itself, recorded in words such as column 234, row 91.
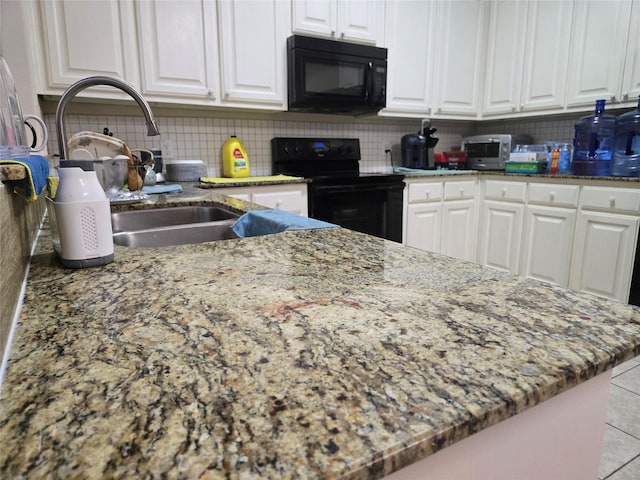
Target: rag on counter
column 37, row 171
column 265, row 222
column 171, row 188
column 271, row 178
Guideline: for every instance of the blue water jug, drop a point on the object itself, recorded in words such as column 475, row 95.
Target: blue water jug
column 626, row 152
column 593, row 143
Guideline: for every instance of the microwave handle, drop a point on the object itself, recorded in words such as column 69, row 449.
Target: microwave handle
column 369, row 81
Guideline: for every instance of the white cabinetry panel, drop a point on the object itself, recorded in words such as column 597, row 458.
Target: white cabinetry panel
column 501, row 235
column 599, row 40
column 548, row 243
column 631, row 81
column 89, row 38
column 352, row 21
column 505, row 50
column 288, row 197
column 179, row 49
column 423, row 228
column 459, row 47
column 252, row 37
column 603, row 256
column 409, row 40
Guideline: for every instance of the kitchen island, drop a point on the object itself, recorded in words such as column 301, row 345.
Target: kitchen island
column 307, row 354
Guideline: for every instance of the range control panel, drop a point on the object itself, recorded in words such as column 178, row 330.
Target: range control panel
column 310, row 149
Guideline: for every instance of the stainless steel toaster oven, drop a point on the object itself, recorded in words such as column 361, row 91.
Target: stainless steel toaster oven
column 489, row 152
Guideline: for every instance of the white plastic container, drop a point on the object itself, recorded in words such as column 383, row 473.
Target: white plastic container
column 81, row 220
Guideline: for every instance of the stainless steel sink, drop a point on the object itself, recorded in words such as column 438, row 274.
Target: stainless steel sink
column 161, row 227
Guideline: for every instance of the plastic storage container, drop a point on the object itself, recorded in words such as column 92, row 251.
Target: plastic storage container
column 593, row 143
column 235, row 163
column 626, row 152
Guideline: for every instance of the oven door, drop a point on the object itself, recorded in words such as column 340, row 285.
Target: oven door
column 375, row 209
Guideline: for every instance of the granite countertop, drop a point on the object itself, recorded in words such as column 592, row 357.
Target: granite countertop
column 307, row 354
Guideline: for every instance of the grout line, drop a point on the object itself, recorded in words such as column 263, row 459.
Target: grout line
column 620, row 467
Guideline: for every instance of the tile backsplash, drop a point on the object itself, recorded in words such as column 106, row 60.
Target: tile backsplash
column 192, row 138
column 185, row 137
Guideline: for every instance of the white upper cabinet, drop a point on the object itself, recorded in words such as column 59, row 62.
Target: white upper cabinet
column 459, row 60
column 253, row 37
column 631, row 81
column 527, row 55
column 599, row 42
column 88, row 38
column 505, row 52
column 409, row 40
column 352, row 21
column 178, row 48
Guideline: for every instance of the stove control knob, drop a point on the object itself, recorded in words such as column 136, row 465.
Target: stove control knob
column 341, row 150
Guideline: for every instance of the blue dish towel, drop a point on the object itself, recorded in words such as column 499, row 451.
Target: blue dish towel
column 37, row 171
column 265, row 222
column 172, row 188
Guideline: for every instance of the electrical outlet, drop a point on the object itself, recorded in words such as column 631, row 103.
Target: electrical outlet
column 168, row 148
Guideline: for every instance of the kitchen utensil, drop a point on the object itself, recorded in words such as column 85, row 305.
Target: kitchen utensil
column 81, row 220
column 97, row 144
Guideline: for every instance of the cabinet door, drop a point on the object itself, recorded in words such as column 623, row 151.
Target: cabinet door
column 253, row 36
column 458, row 229
column 89, row 38
column 598, row 41
column 315, row 17
column 505, row 52
column 548, row 36
column 409, row 41
column 631, row 81
column 178, row 48
column 604, row 254
column 423, row 226
column 362, row 21
column 359, row 22
column 548, row 242
column 459, row 65
column 501, row 235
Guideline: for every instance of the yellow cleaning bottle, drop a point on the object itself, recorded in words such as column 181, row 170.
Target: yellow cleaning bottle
column 235, row 163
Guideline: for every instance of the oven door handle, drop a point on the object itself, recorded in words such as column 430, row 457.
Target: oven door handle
column 355, row 188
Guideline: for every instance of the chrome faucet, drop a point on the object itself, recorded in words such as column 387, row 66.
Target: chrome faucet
column 73, row 90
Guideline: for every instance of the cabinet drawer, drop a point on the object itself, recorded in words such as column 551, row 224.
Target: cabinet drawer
column 507, row 191
column 459, row 190
column 623, row 199
column 425, row 192
column 554, row 194
column 288, row 201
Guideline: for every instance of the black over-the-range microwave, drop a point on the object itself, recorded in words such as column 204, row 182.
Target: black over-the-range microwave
column 330, row 76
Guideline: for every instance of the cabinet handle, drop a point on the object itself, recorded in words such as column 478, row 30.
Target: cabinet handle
column 333, row 33
column 552, row 196
column 342, row 35
column 612, row 202
column 278, row 203
column 427, row 194
column 504, row 192
column 462, row 192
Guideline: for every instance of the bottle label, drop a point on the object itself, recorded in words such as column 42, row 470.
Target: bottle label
column 239, row 162
column 555, row 156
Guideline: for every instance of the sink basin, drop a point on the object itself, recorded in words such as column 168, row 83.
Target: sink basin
column 160, row 227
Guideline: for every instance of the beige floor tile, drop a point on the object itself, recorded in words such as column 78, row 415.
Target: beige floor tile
column 629, row 380
column 631, row 471
column 618, row 449
column 624, row 410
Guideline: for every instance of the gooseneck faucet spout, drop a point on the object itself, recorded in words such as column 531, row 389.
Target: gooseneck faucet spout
column 73, row 90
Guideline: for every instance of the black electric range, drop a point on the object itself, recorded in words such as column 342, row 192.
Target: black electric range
column 339, row 193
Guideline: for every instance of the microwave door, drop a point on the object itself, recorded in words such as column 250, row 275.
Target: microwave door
column 330, row 80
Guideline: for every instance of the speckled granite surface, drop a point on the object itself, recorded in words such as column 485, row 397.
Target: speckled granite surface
column 310, row 354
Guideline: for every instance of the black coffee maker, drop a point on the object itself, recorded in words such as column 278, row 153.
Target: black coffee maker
column 417, row 148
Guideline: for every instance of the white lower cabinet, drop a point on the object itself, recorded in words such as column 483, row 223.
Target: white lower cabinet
column 441, row 217
column 547, row 243
column 289, row 197
column 576, row 234
column 501, row 220
column 605, row 242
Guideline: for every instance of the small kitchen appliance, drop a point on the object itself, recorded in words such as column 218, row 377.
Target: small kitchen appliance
column 417, row 148
column 81, row 220
column 338, row 192
column 490, row 152
column 329, row 76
